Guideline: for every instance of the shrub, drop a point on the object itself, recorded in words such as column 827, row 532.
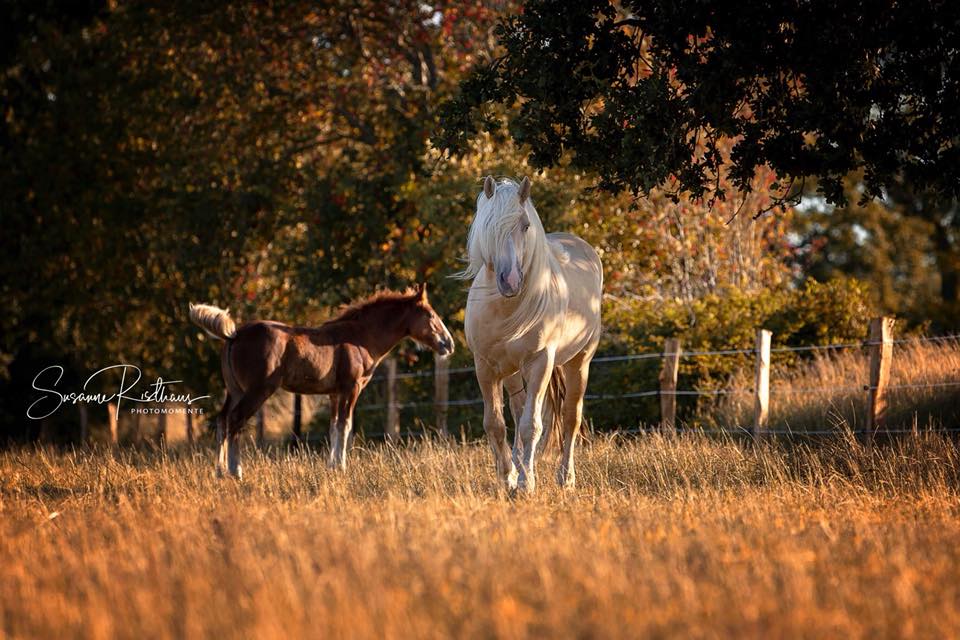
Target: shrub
column 816, row 313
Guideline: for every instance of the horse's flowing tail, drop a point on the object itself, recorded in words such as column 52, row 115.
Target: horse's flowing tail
column 556, row 393
column 215, row 321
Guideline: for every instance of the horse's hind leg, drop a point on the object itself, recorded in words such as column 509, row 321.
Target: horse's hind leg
column 222, row 437
column 243, row 410
column 576, row 372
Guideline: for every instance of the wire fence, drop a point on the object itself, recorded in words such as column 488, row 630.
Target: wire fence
column 659, row 355
column 622, row 392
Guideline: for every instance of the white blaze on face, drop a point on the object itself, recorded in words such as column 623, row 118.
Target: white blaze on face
column 509, row 267
column 510, row 261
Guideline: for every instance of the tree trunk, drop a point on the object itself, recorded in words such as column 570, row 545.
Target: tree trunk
column 261, row 419
column 162, row 427
column 297, row 418
column 135, row 423
column 948, row 263
column 84, row 423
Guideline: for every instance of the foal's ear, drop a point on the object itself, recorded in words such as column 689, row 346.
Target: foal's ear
column 489, row 187
column 422, row 292
column 524, row 189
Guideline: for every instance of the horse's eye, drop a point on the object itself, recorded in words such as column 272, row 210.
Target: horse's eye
column 525, row 227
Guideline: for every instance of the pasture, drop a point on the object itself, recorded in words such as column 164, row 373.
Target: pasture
column 692, row 536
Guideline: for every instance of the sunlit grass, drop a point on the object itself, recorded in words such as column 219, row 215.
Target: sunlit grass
column 688, row 536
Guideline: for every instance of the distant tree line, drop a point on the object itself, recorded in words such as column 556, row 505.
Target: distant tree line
column 279, row 159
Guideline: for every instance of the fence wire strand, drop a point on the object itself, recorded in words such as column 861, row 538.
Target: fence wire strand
column 654, row 355
column 592, row 398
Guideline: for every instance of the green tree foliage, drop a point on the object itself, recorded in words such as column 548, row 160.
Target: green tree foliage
column 275, row 159
column 251, row 155
column 904, row 245
column 807, row 89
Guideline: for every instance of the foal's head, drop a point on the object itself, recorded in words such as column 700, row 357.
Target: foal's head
column 425, row 326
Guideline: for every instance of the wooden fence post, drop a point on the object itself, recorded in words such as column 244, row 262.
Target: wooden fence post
column 297, row 418
column 762, row 383
column 441, row 393
column 189, row 416
column 668, row 385
column 392, row 430
column 112, row 418
column 261, row 419
column 881, row 351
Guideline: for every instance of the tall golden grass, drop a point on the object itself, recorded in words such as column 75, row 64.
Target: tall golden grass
column 690, row 537
column 827, row 392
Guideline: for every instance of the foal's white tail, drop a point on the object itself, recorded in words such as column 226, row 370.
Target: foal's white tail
column 215, row 321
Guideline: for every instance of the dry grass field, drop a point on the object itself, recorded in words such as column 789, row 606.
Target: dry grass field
column 689, row 537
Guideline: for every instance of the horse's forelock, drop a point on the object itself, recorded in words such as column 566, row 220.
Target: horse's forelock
column 493, row 222
column 495, row 219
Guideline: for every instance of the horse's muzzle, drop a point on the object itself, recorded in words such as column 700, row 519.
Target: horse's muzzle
column 445, row 347
column 505, row 288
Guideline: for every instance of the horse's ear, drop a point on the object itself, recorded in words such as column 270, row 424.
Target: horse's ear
column 489, row 187
column 422, row 291
column 524, row 189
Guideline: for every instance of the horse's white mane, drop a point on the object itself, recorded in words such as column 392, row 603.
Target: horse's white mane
column 495, row 219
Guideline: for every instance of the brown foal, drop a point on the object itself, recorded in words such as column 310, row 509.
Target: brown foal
column 338, row 358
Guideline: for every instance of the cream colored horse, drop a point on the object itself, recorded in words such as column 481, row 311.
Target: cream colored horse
column 532, row 322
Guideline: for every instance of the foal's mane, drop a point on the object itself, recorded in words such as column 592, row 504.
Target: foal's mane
column 355, row 310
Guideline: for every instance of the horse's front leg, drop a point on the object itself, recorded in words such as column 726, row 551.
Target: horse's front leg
column 346, row 403
column 515, row 396
column 493, row 424
column 537, row 375
column 334, row 431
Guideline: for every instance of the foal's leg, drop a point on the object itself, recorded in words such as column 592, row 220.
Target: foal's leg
column 346, row 402
column 222, row 437
column 334, row 431
column 241, row 411
column 575, row 373
column 494, row 425
column 537, row 374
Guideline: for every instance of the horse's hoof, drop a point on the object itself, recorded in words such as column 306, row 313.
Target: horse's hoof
column 566, row 481
column 526, row 485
